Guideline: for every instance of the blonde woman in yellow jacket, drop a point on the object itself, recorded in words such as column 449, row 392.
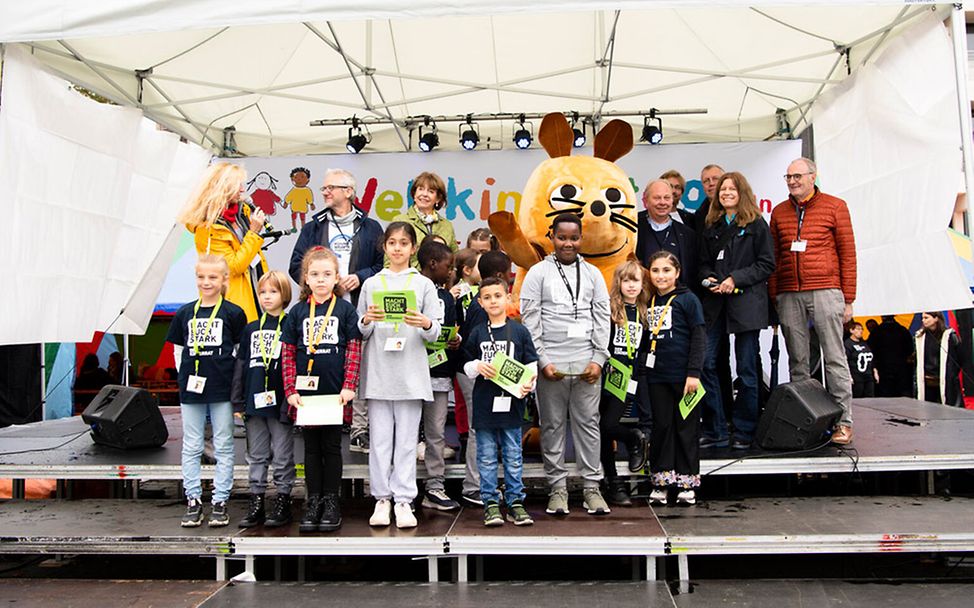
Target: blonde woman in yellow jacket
column 223, row 226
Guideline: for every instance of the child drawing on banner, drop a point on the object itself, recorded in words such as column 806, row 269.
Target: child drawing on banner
column 264, row 185
column 300, row 197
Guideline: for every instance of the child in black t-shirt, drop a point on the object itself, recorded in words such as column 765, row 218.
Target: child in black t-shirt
column 436, row 264
column 258, row 393
column 627, row 344
column 677, row 343
column 204, row 335
column 860, row 358
column 322, row 354
column 497, row 415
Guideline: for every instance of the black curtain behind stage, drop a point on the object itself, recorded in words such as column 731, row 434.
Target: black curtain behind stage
column 20, row 384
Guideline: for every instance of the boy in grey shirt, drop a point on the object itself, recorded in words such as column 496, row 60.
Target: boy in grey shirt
column 565, row 306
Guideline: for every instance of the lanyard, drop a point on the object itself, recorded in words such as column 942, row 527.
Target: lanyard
column 314, row 337
column 334, row 220
column 578, row 283
column 800, row 212
column 385, row 286
column 659, row 322
column 206, row 332
column 628, row 340
column 507, row 336
column 264, row 355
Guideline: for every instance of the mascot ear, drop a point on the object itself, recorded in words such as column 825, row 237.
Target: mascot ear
column 613, row 142
column 556, row 136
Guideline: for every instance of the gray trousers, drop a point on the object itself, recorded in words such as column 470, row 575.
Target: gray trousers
column 434, row 423
column 825, row 307
column 270, row 442
column 360, row 417
column 393, row 434
column 576, row 401
column 471, row 476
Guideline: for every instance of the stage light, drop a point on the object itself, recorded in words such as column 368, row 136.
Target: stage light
column 430, row 139
column 356, row 141
column 469, row 137
column 578, row 131
column 652, row 133
column 522, row 134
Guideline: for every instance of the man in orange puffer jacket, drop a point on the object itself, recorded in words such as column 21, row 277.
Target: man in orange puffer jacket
column 815, row 251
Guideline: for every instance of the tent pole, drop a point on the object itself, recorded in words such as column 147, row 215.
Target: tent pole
column 958, row 34
column 126, row 362
column 43, row 384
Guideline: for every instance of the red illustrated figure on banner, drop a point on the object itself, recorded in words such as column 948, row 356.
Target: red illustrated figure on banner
column 261, row 189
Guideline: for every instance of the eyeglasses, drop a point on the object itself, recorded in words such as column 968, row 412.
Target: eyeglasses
column 330, row 188
column 789, row 177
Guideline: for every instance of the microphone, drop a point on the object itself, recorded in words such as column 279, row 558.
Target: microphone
column 271, row 234
column 268, row 228
column 708, row 284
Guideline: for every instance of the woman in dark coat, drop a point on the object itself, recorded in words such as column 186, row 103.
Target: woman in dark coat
column 736, row 259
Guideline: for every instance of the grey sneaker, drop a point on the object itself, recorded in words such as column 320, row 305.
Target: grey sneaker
column 518, row 515
column 219, row 516
column 359, row 443
column 437, row 499
column 558, row 502
column 594, row 503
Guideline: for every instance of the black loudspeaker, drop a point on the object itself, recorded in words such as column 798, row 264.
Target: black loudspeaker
column 797, row 416
column 125, row 417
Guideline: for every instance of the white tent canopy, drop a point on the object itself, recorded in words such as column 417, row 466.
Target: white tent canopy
column 269, row 68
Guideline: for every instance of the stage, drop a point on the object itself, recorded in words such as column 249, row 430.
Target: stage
column 890, row 435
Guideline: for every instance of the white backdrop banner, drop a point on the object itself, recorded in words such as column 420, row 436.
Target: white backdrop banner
column 90, row 191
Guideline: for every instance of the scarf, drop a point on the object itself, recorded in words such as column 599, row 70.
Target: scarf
column 230, row 213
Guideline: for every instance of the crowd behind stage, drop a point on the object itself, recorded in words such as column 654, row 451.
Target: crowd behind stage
column 392, row 324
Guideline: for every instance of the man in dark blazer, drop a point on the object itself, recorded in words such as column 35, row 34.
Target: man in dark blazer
column 657, row 230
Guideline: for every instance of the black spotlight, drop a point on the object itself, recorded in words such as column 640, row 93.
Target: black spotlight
column 469, row 137
column 652, row 133
column 428, row 140
column 522, row 134
column 578, row 131
column 356, row 141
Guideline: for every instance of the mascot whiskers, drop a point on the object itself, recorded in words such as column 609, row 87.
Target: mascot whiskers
column 593, row 188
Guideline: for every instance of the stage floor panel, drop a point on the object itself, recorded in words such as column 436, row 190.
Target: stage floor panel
column 72, row 593
column 868, row 524
column 890, row 435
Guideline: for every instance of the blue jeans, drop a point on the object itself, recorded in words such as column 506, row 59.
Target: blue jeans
column 509, row 443
column 194, row 422
column 745, row 413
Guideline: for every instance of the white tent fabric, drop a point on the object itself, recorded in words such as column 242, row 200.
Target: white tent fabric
column 267, row 69
column 90, row 191
column 887, row 142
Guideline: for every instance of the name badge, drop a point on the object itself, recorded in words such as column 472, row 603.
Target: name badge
column 437, row 357
column 631, row 389
column 798, row 246
column 306, row 383
column 265, row 399
column 395, row 344
column 651, row 360
column 464, row 290
column 720, row 255
column 195, row 384
column 502, row 404
column 577, row 331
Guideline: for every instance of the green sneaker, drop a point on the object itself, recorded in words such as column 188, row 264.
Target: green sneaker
column 492, row 514
column 558, row 502
column 518, row 515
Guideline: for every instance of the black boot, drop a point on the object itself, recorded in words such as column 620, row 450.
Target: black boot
column 281, row 513
column 255, row 513
column 312, row 514
column 618, row 493
column 331, row 513
column 638, row 451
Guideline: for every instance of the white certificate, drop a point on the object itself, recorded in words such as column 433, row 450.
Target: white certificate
column 319, row 410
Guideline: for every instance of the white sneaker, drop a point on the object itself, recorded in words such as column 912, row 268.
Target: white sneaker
column 421, row 451
column 686, row 498
column 658, row 497
column 404, row 515
column 382, row 514
column 448, row 453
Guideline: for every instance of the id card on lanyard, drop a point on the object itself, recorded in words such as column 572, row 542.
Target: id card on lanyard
column 651, row 356
column 309, row 382
column 196, row 383
column 268, row 398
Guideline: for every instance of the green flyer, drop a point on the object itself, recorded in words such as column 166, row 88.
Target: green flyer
column 511, row 375
column 689, row 402
column 394, row 303
column 617, row 376
column 446, row 334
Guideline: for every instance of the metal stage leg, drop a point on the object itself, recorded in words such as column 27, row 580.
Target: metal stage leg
column 931, row 488
column 478, row 568
column 434, row 571
column 683, row 568
column 250, row 565
column 651, row 567
column 301, row 571
column 221, row 568
column 18, row 489
column 462, row 569
column 277, row 568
